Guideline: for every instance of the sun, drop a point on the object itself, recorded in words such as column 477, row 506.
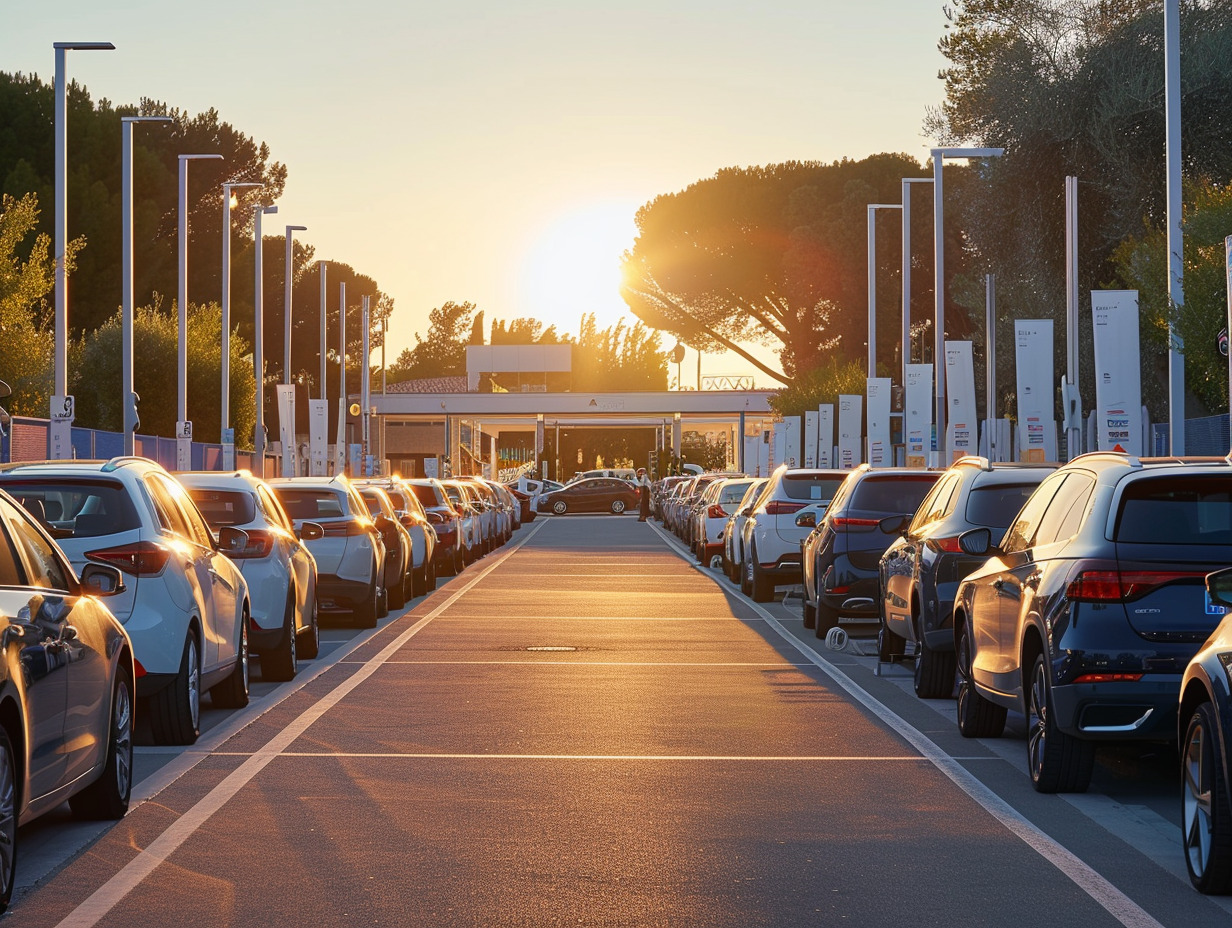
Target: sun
column 572, row 266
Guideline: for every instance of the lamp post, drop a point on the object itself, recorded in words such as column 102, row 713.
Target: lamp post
column 939, row 155
column 906, row 333
column 60, row 443
column 227, row 436
column 872, row 283
column 321, row 265
column 128, row 397
column 1176, row 238
column 340, row 448
column 183, row 427
column 258, row 349
column 286, row 303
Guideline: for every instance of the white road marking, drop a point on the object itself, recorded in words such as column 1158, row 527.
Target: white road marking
column 906, row 758
column 610, row 663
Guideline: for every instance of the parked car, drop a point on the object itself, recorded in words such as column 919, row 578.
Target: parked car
column 1205, row 736
column 595, row 494
column 350, row 554
column 470, row 521
column 66, row 686
column 276, row 562
column 446, row 522
column 184, row 604
column 722, row 496
column 420, row 576
column 397, row 583
column 920, row 571
column 1087, row 613
column 775, row 529
column 733, row 543
column 842, row 553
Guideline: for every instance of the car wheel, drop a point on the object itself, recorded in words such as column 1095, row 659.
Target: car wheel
column 746, row 576
column 430, row 579
column 560, row 507
column 310, row 638
column 809, row 614
column 1057, row 761
column 977, row 717
column 459, row 560
column 382, row 602
column 1206, row 819
column 107, row 797
column 8, row 819
column 827, row 618
column 890, row 645
column 763, row 586
column 934, row 671
column 418, row 581
column 396, row 594
column 282, row 661
column 618, row 506
column 232, row 693
column 175, row 710
column 365, row 613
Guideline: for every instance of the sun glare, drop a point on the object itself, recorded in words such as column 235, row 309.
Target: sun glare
column 573, row 267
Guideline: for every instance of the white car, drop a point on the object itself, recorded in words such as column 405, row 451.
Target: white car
column 350, row 555
column 410, row 513
column 721, row 499
column 280, row 570
column 733, row 539
column 185, row 604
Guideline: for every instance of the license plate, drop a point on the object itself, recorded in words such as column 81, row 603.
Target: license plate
column 1214, row 608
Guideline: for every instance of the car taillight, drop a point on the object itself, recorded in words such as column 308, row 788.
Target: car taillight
column 946, row 545
column 1108, row 678
column 260, row 544
column 141, row 558
column 349, row 527
column 845, row 523
column 780, row 508
column 716, row 512
column 1103, row 586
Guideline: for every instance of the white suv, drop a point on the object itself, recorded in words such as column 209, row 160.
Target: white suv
column 185, row 605
column 280, row 570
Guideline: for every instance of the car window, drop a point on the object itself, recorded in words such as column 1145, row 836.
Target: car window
column 198, row 531
column 1064, row 513
column 892, row 493
column 810, row 487
column 170, row 518
column 733, row 492
column 44, row 567
column 1020, row 533
column 273, row 509
column 995, row 505
column 11, row 573
column 1179, row 510
column 938, row 502
column 74, row 507
column 310, row 504
column 224, row 507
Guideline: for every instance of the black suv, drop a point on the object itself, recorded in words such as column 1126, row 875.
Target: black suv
column 1085, row 615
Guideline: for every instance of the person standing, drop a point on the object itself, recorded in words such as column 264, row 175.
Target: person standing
column 643, row 484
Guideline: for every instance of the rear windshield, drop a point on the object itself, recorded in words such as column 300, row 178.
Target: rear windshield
column 892, row 494
column 734, row 492
column 995, row 506
column 312, row 504
column 1188, row 510
column 426, row 494
column 816, row 489
column 222, row 507
column 75, row 508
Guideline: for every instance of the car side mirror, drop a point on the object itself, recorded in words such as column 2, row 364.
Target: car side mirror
column 807, row 519
column 232, row 540
column 976, row 542
column 894, row 525
column 310, row 531
column 102, row 579
column 1219, row 586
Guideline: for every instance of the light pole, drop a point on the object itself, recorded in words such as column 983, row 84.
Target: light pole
column 321, row 265
column 286, row 303
column 128, row 397
column 340, row 449
column 60, row 443
column 365, row 390
column 227, row 436
column 1176, row 238
column 872, row 283
column 258, row 349
column 906, row 334
column 939, row 155
column 183, row 427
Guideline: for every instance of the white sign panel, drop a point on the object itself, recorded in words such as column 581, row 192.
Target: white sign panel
column 918, row 414
column 318, row 437
column 880, row 451
column 1037, row 433
column 850, row 439
column 962, row 429
column 790, row 428
column 1118, row 377
column 825, row 435
column 776, row 445
column 286, row 427
column 810, row 438
column 60, row 433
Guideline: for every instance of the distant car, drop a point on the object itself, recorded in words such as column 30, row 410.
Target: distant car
column 596, row 494
column 420, row 576
column 920, row 571
column 66, row 686
column 719, row 502
column 733, row 544
column 398, row 586
column 470, row 520
column 276, row 562
column 449, row 552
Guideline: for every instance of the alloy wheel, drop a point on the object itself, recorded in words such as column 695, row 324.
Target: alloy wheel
column 1037, row 722
column 122, row 736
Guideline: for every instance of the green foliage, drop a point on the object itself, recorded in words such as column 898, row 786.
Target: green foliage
column 442, row 353
column 822, row 384
column 617, row 359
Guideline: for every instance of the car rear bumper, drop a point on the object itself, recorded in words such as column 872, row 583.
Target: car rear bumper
column 1142, row 711
column 336, row 594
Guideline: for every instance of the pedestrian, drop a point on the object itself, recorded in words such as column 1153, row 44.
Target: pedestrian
column 643, row 484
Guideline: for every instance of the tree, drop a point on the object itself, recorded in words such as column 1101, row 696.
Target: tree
column 442, row 353
column 823, row 384
column 774, row 255
column 617, row 359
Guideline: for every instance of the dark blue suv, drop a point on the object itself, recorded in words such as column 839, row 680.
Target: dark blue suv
column 1086, row 613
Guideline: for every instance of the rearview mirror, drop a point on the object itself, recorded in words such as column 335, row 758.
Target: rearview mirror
column 310, row 531
column 976, row 542
column 102, row 579
column 807, row 519
column 1219, row 586
column 232, row 540
column 894, row 525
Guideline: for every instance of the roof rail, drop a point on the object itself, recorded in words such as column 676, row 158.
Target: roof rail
column 1123, row 456
column 977, row 459
column 120, row 460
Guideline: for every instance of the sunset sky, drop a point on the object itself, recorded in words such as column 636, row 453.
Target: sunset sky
column 496, row 152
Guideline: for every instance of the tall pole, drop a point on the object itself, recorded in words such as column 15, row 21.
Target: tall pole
column 1070, row 394
column 286, row 303
column 321, row 267
column 905, row 338
column 341, row 449
column 225, row 417
column 1176, row 265
column 990, row 364
column 872, row 283
column 365, row 387
column 60, row 446
column 183, row 427
column 258, row 339
column 128, row 396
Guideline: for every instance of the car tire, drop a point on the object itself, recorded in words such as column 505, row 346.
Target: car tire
column 309, row 644
column 459, row 560
column 934, row 671
column 809, row 614
column 827, row 619
column 365, row 613
column 107, row 797
column 8, row 819
column 746, row 576
column 1056, row 760
column 762, row 585
column 890, row 645
column 977, row 717
column 618, row 506
column 232, row 693
column 418, row 581
column 396, row 594
column 430, row 578
column 175, row 710
column 382, row 602
column 282, row 661
column 559, row 507
column 1206, row 818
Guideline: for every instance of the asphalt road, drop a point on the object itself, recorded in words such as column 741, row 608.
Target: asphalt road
column 586, row 729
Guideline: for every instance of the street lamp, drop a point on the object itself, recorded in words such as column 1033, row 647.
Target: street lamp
column 128, row 398
column 258, row 349
column 183, row 428
column 340, row 448
column 286, row 304
column 906, row 335
column 227, row 436
column 872, row 283
column 1176, row 237
column 321, row 265
column 939, row 155
column 60, row 444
